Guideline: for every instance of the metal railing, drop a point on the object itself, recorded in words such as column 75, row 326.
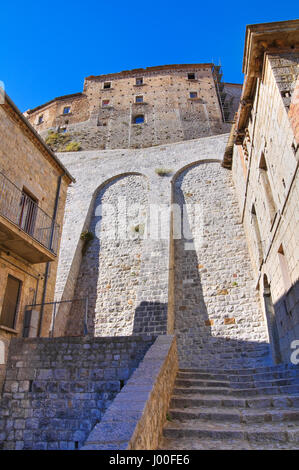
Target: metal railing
column 20, row 209
column 63, row 308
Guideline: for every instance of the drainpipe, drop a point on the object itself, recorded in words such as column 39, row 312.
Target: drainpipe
column 46, row 275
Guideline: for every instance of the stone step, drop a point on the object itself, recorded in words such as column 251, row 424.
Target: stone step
column 232, row 444
column 187, row 382
column 244, row 392
column 202, row 375
column 199, row 429
column 234, row 415
column 265, row 376
column 239, row 378
column 201, row 383
column 201, row 390
column 265, row 383
column 261, row 402
column 242, row 370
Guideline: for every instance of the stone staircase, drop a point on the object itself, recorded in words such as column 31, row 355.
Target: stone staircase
column 234, row 409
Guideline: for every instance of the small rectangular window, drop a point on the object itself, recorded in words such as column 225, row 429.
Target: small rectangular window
column 11, row 301
column 107, row 85
column 66, row 110
column 105, row 103
column 40, row 119
column 191, row 76
column 193, row 94
column 138, row 119
column 139, row 99
column 139, row 81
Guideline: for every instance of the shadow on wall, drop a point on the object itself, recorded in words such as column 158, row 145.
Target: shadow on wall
column 211, row 328
column 109, row 270
column 150, row 318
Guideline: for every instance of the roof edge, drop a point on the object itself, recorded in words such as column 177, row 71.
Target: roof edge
column 58, row 98
column 37, row 137
column 126, row 73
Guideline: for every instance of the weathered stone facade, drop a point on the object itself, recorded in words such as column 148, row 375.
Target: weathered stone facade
column 26, row 164
column 56, row 390
column 265, row 174
column 217, row 313
column 177, row 102
column 206, row 295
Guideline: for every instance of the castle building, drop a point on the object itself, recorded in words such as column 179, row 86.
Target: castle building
column 180, row 237
column 142, row 108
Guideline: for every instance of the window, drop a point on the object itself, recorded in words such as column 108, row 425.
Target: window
column 40, row 119
column 191, row 76
column 10, row 303
column 107, row 85
column 66, row 110
column 105, row 103
column 193, row 94
column 28, row 212
column 139, row 99
column 139, row 81
column 138, row 119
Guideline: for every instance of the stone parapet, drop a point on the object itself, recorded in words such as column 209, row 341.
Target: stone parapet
column 135, row 419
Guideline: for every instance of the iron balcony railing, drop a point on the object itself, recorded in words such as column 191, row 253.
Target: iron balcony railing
column 20, row 209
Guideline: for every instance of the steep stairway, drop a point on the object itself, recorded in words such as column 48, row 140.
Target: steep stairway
column 234, row 409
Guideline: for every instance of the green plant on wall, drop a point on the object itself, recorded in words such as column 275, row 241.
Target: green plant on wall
column 87, row 237
column 61, row 142
column 73, row 147
column 138, row 229
column 163, row 171
column 56, row 140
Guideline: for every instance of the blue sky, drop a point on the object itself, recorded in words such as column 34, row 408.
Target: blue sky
column 47, row 48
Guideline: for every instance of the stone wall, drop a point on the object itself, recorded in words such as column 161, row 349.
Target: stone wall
column 110, row 270
column 265, row 173
column 106, row 173
column 103, row 118
column 211, row 301
column 56, row 390
column 218, row 318
column 135, row 419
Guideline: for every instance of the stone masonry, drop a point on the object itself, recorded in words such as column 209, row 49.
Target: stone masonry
column 177, row 102
column 218, row 319
column 210, row 303
column 56, row 390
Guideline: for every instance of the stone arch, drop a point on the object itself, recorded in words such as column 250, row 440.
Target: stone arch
column 213, row 289
column 109, row 270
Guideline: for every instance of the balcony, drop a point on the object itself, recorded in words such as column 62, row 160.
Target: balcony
column 25, row 229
